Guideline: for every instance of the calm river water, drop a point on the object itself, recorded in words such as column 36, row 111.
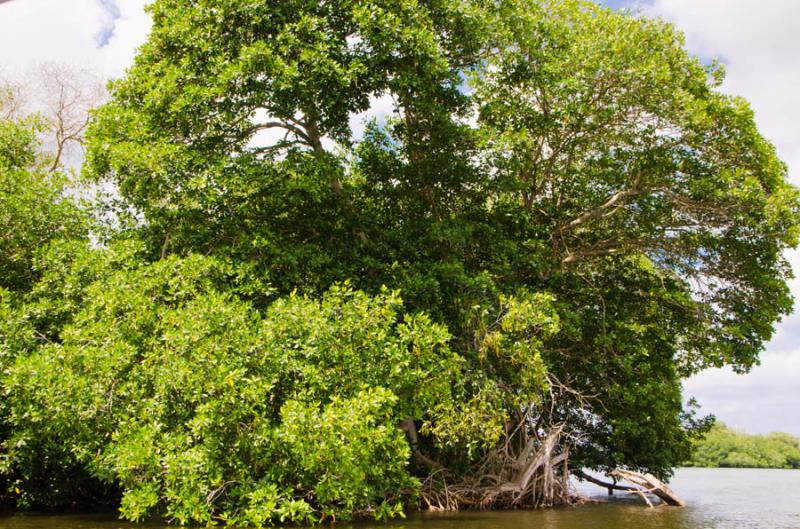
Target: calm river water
column 716, row 498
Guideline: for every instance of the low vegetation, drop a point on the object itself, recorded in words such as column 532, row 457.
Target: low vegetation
column 724, row 447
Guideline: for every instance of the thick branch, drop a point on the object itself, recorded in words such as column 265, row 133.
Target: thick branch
column 602, row 209
column 297, row 131
column 611, row 486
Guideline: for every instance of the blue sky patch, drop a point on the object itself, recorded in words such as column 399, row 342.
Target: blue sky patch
column 105, row 34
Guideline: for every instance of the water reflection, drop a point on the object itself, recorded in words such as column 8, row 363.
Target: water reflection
column 716, row 498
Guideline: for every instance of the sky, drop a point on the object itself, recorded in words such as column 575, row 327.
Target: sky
column 759, row 43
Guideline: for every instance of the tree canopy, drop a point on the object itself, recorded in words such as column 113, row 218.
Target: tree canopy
column 574, row 215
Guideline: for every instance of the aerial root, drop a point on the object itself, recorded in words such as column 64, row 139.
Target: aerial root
column 536, row 477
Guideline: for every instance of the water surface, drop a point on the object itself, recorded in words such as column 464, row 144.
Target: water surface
column 716, row 499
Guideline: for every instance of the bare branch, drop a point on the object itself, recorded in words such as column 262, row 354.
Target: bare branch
column 64, row 97
column 294, row 129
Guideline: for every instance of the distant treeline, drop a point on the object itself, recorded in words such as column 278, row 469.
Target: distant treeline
column 724, row 447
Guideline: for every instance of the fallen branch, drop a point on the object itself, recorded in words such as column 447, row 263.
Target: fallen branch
column 610, row 486
column 649, row 483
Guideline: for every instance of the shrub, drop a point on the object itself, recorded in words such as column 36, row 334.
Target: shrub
column 199, row 407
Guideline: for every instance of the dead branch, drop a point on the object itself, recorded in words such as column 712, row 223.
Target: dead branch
column 650, row 483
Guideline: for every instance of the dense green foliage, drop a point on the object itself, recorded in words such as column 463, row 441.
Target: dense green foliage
column 34, row 206
column 723, row 447
column 164, row 382
column 36, row 209
column 572, row 213
column 208, row 399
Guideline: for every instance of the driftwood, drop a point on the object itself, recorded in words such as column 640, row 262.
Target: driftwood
column 610, row 486
column 649, row 484
column 643, row 484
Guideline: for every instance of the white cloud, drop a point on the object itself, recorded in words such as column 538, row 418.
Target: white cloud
column 39, row 31
column 761, row 50
column 765, row 400
column 381, row 108
column 112, row 14
column 130, row 32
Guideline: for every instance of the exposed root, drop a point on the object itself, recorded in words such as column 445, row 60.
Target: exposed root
column 537, row 477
